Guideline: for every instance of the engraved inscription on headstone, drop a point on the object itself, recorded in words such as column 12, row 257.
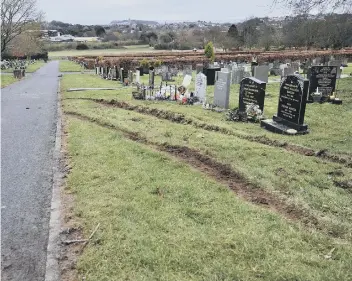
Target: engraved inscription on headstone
column 252, row 91
column 323, row 78
column 291, row 108
column 292, row 100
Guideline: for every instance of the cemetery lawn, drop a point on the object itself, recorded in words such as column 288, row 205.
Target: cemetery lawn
column 69, row 66
column 7, row 80
column 160, row 190
column 101, row 52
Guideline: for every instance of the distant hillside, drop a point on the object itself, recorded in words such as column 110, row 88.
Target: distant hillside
column 126, row 22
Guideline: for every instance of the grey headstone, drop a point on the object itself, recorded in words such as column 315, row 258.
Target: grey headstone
column 261, row 73
column 287, row 71
column 222, row 89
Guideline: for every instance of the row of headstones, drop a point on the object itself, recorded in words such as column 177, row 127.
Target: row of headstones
column 295, row 92
column 119, row 74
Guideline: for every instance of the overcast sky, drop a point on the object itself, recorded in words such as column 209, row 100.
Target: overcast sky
column 105, row 11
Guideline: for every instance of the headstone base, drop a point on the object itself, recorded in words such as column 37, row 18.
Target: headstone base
column 336, row 101
column 281, row 126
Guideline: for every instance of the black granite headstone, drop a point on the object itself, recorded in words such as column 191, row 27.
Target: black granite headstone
column 210, row 74
column 323, row 78
column 252, row 91
column 291, row 108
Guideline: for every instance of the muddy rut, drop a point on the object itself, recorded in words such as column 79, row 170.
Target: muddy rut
column 346, row 160
column 225, row 175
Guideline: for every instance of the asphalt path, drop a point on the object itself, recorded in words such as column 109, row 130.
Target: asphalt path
column 28, row 128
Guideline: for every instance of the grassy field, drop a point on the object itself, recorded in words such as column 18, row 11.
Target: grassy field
column 7, row 80
column 69, row 66
column 105, row 52
column 162, row 191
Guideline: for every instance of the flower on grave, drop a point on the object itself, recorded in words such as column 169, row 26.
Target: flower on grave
column 254, row 112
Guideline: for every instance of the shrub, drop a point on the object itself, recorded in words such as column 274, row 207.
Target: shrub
column 209, row 51
column 82, row 46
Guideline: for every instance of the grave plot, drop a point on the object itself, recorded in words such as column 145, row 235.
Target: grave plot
column 251, row 101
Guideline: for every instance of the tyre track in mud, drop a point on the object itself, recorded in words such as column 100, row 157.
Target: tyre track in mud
column 226, row 175
column 322, row 154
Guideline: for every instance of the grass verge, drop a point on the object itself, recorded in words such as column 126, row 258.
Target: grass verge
column 161, row 219
column 7, row 80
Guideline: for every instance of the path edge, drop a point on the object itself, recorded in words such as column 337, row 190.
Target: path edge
column 52, row 271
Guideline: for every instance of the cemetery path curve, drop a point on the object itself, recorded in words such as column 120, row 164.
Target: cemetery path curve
column 28, row 129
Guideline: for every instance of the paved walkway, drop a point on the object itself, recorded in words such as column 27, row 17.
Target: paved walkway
column 28, row 127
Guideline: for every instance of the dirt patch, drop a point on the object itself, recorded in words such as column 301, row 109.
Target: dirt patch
column 70, row 229
column 224, row 174
column 181, row 118
column 347, row 184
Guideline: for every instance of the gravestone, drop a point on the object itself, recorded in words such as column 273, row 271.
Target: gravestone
column 138, row 76
column 130, row 76
column 291, row 108
column 336, row 63
column 323, row 78
column 201, row 86
column 261, row 72
column 283, row 65
column 287, row 71
column 295, row 66
column 237, row 75
column 199, row 68
column 151, row 78
column 316, row 61
column 187, row 81
column 210, row 73
column 187, row 70
column 252, row 91
column 112, row 73
column 121, row 75
column 222, row 89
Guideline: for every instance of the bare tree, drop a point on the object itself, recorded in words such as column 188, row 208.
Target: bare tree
column 305, row 6
column 16, row 16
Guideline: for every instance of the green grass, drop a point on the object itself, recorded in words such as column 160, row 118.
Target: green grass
column 162, row 220
column 69, row 66
column 104, row 52
column 7, row 80
column 327, row 123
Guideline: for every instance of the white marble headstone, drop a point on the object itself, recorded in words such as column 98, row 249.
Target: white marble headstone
column 187, row 81
column 138, row 75
column 201, row 86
